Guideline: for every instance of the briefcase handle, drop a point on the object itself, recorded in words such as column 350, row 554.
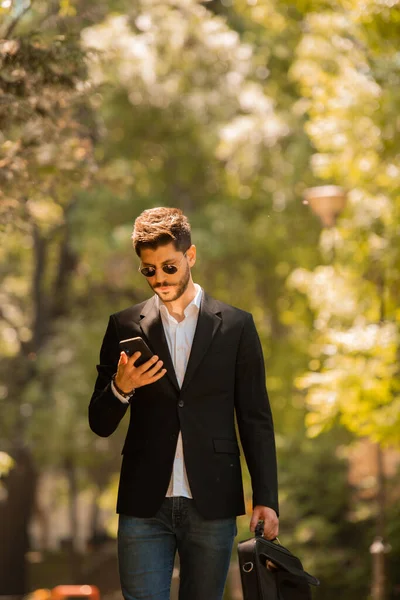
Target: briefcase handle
column 259, row 532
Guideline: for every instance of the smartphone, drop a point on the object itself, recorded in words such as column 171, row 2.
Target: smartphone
column 136, row 344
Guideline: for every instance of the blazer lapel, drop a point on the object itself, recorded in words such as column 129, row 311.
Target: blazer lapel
column 153, row 330
column 207, row 325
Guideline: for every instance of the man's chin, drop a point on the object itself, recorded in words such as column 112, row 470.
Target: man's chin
column 166, row 294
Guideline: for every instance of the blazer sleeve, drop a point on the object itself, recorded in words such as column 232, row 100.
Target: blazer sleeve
column 254, row 418
column 105, row 410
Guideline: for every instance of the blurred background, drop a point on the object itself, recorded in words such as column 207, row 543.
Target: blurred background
column 275, row 126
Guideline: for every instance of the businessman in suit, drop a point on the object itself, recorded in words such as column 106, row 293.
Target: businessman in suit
column 180, row 484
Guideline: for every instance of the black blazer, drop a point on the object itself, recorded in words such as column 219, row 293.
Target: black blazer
column 225, row 376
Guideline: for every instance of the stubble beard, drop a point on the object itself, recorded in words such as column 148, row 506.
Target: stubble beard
column 181, row 287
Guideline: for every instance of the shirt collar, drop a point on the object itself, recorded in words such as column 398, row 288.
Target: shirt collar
column 195, row 303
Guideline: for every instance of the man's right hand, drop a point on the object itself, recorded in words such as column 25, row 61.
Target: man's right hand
column 129, row 377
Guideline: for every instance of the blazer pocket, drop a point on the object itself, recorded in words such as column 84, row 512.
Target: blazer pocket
column 226, row 445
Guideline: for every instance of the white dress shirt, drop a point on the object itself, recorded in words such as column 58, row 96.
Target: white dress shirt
column 179, row 338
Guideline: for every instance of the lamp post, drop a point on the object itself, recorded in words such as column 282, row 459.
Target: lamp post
column 328, row 202
column 379, row 548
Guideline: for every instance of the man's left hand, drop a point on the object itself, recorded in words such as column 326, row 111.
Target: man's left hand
column 270, row 518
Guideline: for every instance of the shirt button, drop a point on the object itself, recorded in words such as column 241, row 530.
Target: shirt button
column 181, row 403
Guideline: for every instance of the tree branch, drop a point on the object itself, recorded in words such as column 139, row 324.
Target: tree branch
column 40, row 310
column 67, row 264
column 16, row 20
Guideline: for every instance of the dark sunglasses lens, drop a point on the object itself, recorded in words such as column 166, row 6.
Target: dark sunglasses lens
column 148, row 271
column 170, row 269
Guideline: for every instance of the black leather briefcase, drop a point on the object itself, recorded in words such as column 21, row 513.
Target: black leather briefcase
column 270, row 571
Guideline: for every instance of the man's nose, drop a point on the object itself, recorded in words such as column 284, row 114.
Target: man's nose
column 159, row 275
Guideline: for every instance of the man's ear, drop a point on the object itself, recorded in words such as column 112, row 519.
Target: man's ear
column 191, row 255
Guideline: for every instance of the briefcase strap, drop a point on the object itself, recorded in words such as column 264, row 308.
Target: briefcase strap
column 294, row 571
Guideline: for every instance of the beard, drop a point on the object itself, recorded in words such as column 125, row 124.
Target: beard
column 180, row 287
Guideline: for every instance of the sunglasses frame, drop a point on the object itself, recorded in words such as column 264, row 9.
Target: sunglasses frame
column 154, row 269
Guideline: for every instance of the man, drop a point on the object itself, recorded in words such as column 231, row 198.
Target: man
column 180, row 484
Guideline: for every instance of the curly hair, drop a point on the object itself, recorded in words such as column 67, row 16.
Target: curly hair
column 160, row 226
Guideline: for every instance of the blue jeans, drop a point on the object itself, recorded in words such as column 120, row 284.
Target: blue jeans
column 147, row 547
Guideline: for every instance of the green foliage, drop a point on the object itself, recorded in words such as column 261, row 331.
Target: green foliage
column 354, row 375
column 228, row 112
column 45, row 151
column 319, row 506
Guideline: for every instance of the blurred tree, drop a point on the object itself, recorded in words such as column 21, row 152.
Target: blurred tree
column 323, row 511
column 355, row 376
column 348, row 72
column 201, row 107
column 46, row 157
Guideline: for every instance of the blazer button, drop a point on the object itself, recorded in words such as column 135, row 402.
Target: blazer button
column 181, row 403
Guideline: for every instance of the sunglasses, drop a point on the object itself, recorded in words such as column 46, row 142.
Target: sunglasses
column 168, row 269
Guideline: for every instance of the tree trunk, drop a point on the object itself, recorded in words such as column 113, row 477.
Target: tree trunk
column 16, row 509
column 75, row 568
column 379, row 548
column 15, row 513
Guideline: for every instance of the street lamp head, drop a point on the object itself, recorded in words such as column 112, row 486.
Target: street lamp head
column 379, row 547
column 327, row 202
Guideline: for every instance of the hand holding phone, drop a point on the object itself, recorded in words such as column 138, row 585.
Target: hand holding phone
column 136, row 344
column 136, row 370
